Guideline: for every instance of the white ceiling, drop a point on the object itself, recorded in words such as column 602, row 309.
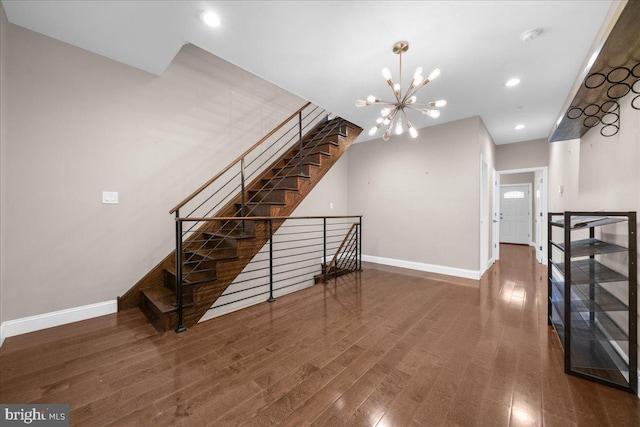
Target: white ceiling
column 331, row 52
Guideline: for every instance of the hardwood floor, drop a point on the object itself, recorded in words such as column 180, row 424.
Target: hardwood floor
column 386, row 347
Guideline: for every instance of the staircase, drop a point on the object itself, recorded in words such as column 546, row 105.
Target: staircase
column 215, row 252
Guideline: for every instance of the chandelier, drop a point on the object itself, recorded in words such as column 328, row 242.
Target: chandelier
column 394, row 112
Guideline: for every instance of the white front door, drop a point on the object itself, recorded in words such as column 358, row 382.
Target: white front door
column 515, row 213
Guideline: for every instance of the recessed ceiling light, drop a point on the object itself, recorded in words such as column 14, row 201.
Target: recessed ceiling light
column 512, row 82
column 210, row 18
column 519, row 127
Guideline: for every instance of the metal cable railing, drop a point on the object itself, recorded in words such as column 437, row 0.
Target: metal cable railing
column 295, row 253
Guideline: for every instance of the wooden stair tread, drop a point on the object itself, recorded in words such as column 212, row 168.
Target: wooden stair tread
column 233, row 236
column 265, row 203
column 192, row 279
column 161, row 297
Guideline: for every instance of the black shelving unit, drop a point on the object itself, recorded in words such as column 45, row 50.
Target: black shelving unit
column 593, row 295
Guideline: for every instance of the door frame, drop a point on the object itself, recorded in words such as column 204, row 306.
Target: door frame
column 541, row 239
column 531, row 213
column 485, row 226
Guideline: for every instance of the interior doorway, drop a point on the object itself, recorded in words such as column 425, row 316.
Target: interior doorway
column 539, row 197
column 516, row 217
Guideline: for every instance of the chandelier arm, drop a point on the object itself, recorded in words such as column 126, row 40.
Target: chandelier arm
column 412, row 91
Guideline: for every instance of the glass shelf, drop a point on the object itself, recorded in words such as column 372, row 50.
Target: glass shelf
column 588, row 247
column 583, row 222
column 602, row 300
column 587, row 271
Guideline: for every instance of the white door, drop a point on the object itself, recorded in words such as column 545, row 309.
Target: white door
column 515, row 213
column 537, row 212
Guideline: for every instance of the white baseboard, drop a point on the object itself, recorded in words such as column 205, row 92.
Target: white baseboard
column 439, row 269
column 25, row 325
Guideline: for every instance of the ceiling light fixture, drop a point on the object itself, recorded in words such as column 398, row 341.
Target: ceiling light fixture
column 395, row 112
column 519, row 127
column 210, row 18
column 512, row 82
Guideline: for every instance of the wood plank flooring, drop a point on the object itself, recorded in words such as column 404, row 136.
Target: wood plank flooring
column 385, row 347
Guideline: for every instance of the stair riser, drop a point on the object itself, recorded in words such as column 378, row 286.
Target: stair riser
column 294, row 170
column 234, row 227
column 306, row 158
column 170, row 283
column 192, row 261
column 262, row 210
column 269, row 195
column 163, row 322
column 292, row 182
column 323, row 149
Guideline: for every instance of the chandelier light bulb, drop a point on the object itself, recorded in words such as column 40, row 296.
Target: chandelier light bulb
column 399, row 126
column 438, row 103
column 385, row 137
column 417, row 73
column 412, row 131
column 373, row 130
column 361, row 103
column 372, row 99
column 396, row 88
column 386, row 121
column 379, row 120
column 412, row 100
column 434, row 74
column 434, row 114
column 386, row 74
column 385, row 112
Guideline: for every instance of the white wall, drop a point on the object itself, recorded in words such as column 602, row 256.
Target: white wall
column 522, row 155
column 79, row 124
column 420, row 198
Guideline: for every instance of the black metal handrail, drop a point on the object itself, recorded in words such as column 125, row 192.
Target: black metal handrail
column 295, row 254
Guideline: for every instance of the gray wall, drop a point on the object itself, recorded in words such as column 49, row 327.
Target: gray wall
column 420, row 198
column 80, row 124
column 599, row 173
column 520, row 155
column 3, row 140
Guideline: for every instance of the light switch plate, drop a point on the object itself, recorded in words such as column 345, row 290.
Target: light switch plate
column 110, row 197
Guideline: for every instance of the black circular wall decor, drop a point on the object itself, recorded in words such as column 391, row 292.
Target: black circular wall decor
column 620, row 81
column 594, row 80
column 618, row 75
